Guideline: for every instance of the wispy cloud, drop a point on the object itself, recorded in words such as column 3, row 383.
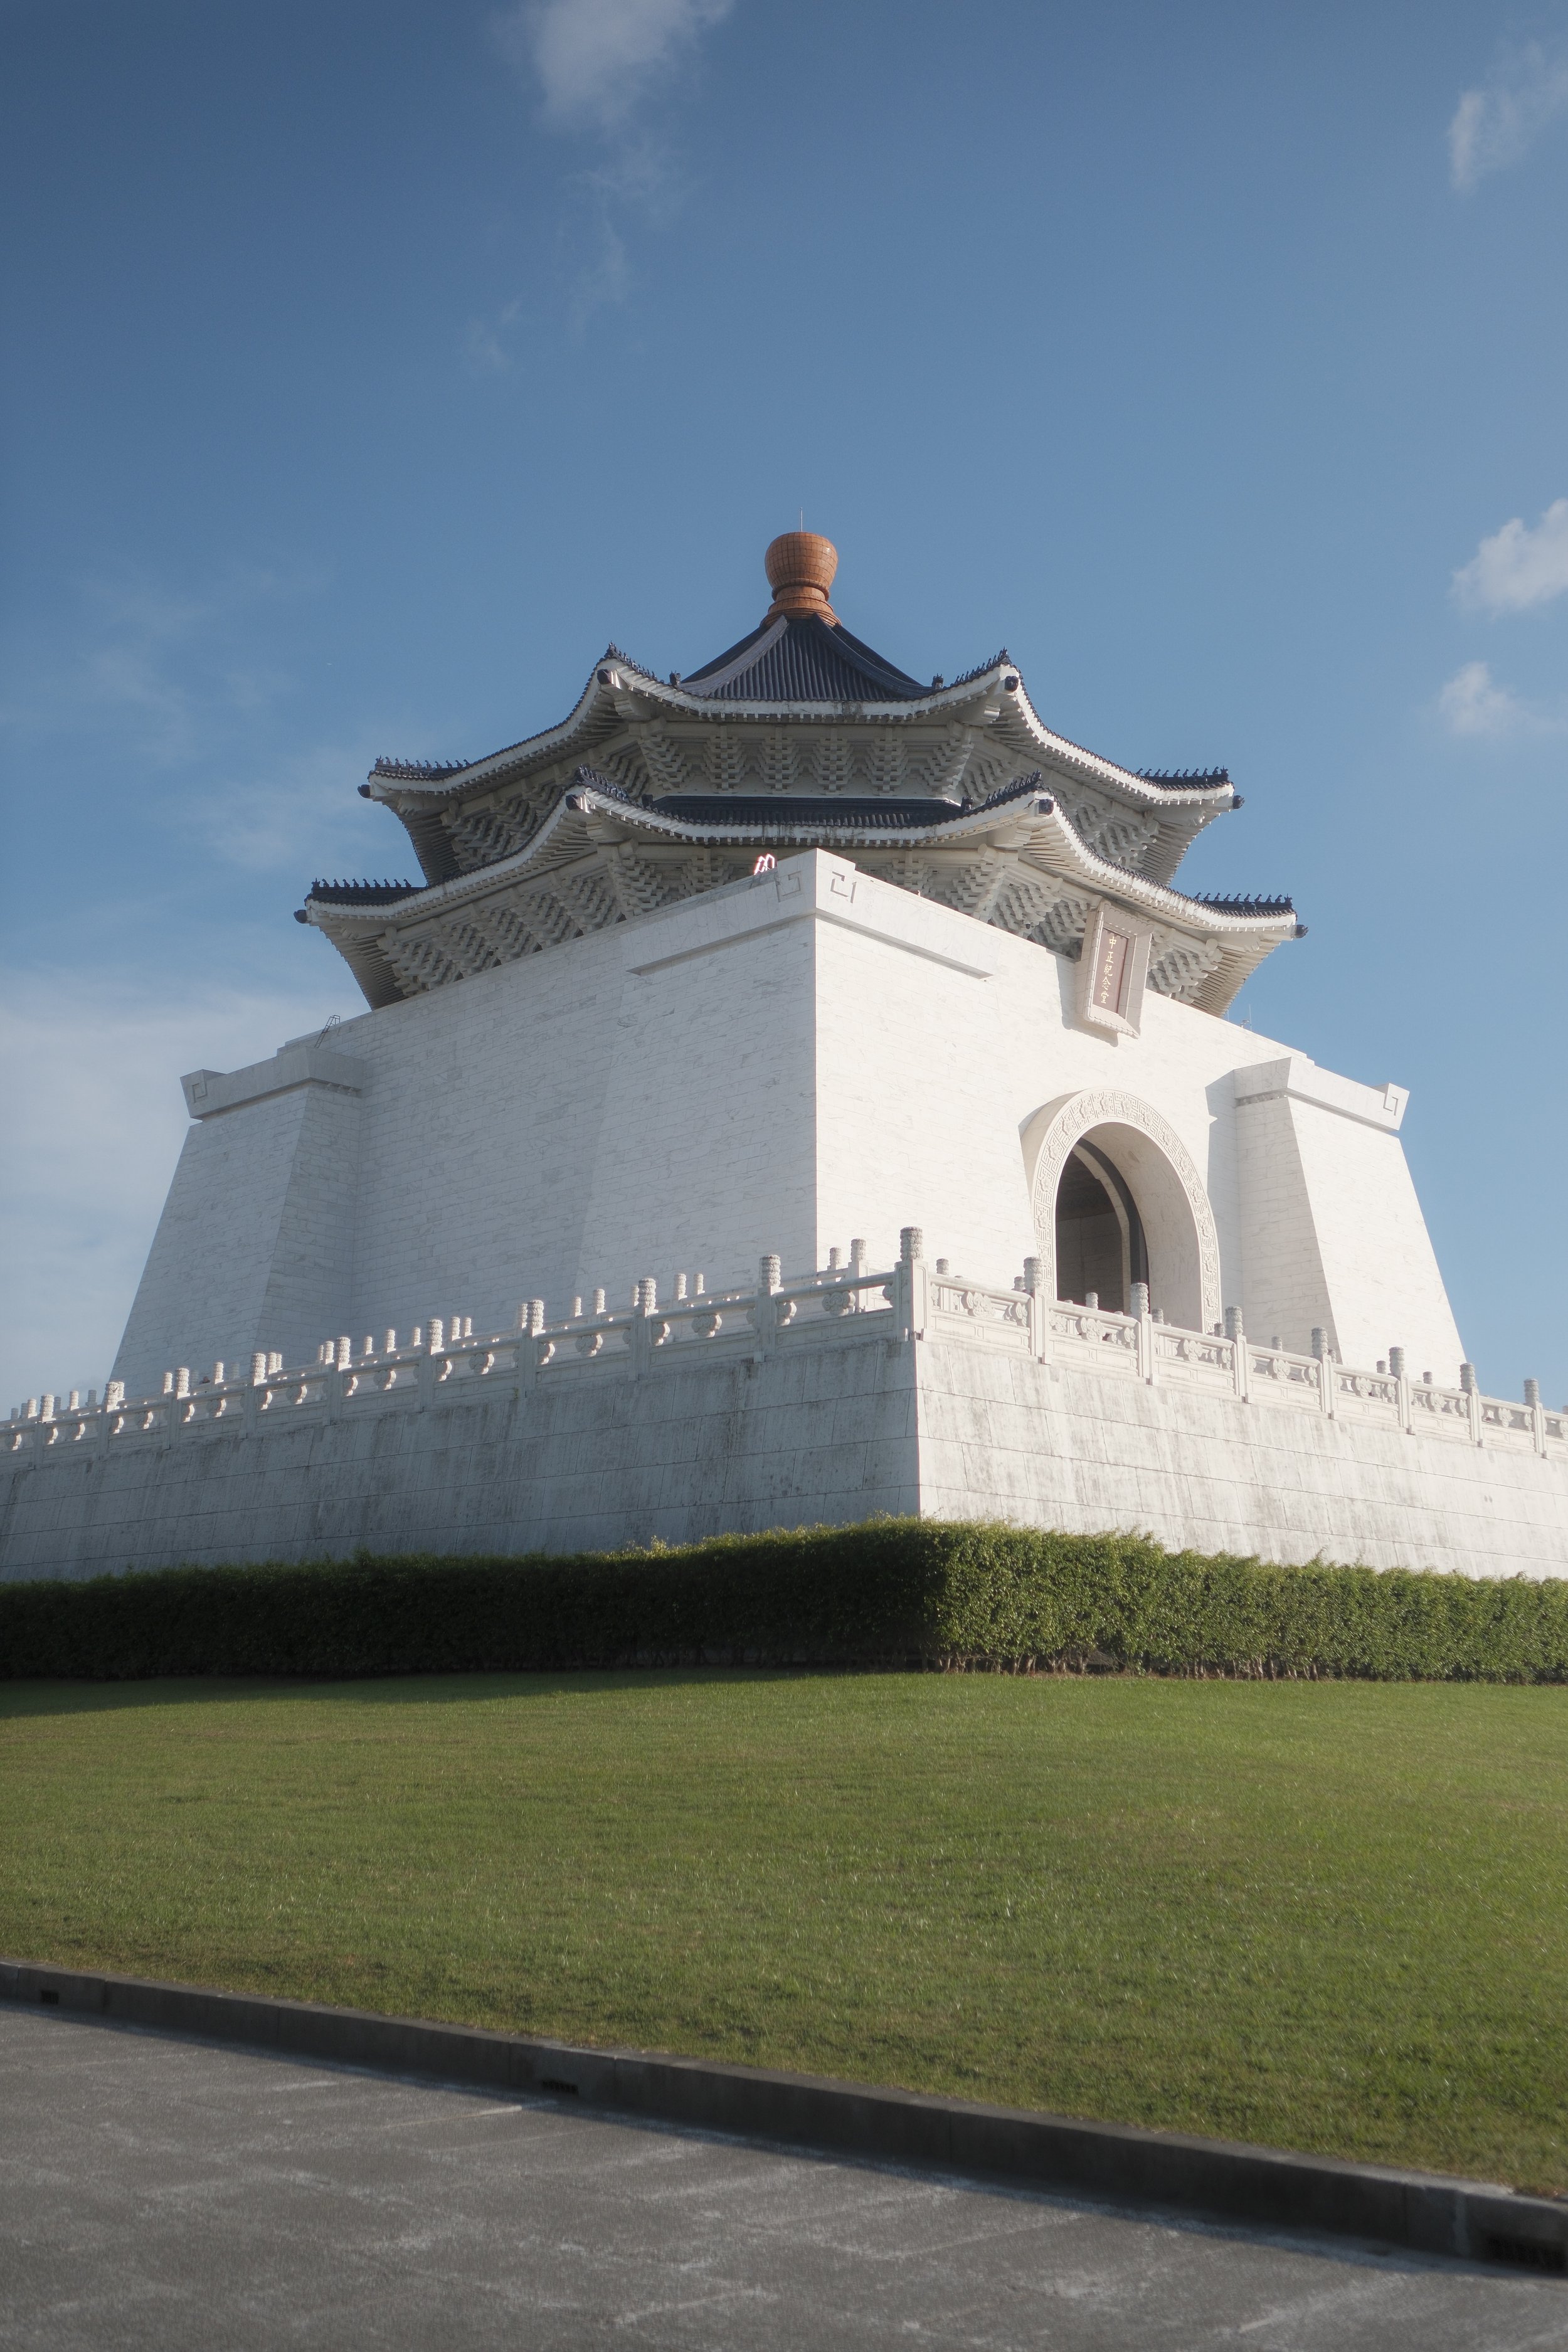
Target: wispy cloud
column 642, row 180
column 161, row 670
column 175, row 689
column 488, row 346
column 296, row 811
column 594, row 63
column 596, row 59
column 127, row 673
column 1518, row 567
column 1473, row 703
column 1497, row 123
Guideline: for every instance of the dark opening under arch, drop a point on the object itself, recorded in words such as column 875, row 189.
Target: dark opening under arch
column 1100, row 1246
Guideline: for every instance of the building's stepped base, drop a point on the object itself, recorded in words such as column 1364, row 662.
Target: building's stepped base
column 879, row 1424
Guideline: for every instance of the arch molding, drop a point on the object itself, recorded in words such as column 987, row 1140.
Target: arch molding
column 1163, row 1178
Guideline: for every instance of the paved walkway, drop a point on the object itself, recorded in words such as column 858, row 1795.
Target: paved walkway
column 164, row 2193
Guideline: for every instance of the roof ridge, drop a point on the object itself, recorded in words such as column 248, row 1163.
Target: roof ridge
column 363, row 894
column 412, row 768
column 1181, row 778
column 613, row 653
column 980, row 669
column 1015, row 791
column 596, row 780
column 1227, row 902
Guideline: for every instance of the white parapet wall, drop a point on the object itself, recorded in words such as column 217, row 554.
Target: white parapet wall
column 825, row 1399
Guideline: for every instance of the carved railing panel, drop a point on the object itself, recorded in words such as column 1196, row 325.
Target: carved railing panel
column 1195, row 1358
column 967, row 1310
column 1440, row 1413
column 1275, row 1376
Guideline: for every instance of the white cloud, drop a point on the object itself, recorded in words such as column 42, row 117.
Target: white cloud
column 596, row 58
column 1472, row 703
column 128, row 675
column 298, row 810
column 486, row 348
column 1497, row 123
column 1516, row 567
column 603, row 277
column 94, row 1123
column 128, row 682
column 164, row 676
column 176, row 688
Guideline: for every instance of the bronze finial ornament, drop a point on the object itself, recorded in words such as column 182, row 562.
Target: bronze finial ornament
column 800, row 565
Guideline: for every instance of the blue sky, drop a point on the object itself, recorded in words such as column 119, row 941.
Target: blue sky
column 368, row 367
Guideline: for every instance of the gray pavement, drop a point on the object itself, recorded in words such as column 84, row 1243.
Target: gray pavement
column 161, row 2192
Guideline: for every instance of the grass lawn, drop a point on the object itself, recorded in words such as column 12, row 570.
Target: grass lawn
column 1324, row 1916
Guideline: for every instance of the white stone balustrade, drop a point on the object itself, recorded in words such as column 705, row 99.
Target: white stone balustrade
column 443, row 1363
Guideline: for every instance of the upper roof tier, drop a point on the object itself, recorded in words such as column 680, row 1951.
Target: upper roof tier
column 802, row 731
column 800, row 651
column 809, row 659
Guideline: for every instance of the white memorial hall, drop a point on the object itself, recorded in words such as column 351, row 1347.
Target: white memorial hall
column 785, row 1093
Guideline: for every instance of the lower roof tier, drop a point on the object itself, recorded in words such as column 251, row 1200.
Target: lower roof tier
column 601, row 857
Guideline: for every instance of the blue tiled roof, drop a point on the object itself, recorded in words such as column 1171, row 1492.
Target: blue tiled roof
column 784, row 811
column 362, row 893
column 981, row 668
column 420, row 772
column 1224, row 905
column 1013, row 791
column 806, row 660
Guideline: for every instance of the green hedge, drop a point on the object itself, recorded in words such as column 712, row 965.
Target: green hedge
column 890, row 1593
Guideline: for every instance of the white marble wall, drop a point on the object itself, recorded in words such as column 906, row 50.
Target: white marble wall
column 256, row 1245
column 591, row 1458
column 786, row 1065
column 1052, row 1446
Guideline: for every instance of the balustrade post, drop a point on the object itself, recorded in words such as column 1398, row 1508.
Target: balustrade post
column 1401, row 1388
column 645, row 1307
column 1144, row 1332
column 1039, row 1309
column 763, row 1312
column 912, row 1289
column 530, row 1324
column 1537, row 1417
column 1235, row 1332
column 1468, row 1384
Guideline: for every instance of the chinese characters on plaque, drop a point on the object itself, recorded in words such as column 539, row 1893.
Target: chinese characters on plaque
column 1111, row 972
column 1111, row 969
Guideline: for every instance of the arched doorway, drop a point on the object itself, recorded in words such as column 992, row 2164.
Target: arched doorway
column 1100, row 1247
column 1118, row 1200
